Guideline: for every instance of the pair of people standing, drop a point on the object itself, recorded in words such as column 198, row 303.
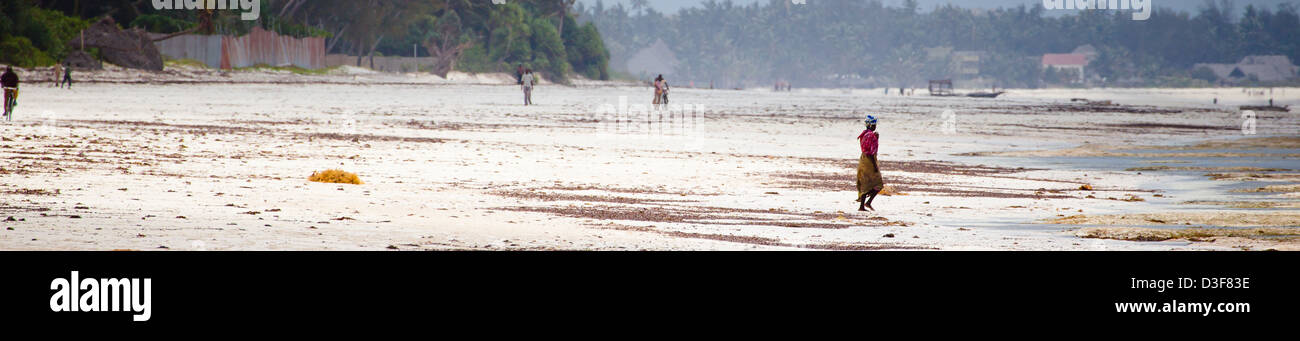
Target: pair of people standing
column 661, row 92
column 62, row 74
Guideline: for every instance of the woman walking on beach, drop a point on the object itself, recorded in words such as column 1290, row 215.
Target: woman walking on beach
column 527, row 81
column 870, row 183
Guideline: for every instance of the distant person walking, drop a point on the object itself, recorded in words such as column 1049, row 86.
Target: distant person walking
column 9, row 80
column 57, row 80
column 870, row 183
column 659, row 91
column 67, row 76
column 526, row 80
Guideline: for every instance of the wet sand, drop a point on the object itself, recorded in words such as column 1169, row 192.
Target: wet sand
column 1253, row 239
column 1205, row 218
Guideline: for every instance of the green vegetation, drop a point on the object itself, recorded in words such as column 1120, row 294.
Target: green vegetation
column 474, row 36
column 158, row 23
column 469, row 35
column 587, row 52
column 291, row 69
column 20, row 51
column 31, row 36
column 184, row 62
column 226, row 22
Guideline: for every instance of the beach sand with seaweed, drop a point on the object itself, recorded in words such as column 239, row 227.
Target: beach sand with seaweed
column 187, row 161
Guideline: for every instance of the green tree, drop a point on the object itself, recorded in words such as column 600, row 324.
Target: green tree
column 587, row 52
column 31, row 36
column 548, row 51
column 445, row 42
column 508, row 29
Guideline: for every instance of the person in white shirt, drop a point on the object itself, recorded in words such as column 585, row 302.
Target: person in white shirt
column 527, row 81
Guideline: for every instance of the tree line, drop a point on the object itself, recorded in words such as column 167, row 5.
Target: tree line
column 865, row 43
column 468, row 35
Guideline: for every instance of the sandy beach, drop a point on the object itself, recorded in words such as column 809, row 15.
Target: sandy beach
column 197, row 160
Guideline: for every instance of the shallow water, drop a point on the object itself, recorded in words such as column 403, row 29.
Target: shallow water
column 1106, row 163
column 1241, row 151
column 1176, row 186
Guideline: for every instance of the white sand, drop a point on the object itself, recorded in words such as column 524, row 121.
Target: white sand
column 212, row 153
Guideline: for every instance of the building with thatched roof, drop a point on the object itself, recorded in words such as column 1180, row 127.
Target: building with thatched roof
column 1267, row 69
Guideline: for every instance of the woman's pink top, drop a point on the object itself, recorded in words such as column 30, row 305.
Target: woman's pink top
column 870, row 142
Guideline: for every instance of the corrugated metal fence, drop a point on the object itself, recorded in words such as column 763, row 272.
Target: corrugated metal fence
column 383, row 64
column 206, row 49
column 258, row 47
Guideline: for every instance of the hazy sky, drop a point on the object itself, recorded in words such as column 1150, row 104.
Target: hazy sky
column 671, row 6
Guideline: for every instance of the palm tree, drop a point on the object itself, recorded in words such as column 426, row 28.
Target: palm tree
column 640, row 5
column 558, row 8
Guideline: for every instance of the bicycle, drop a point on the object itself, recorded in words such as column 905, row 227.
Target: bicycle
column 10, row 103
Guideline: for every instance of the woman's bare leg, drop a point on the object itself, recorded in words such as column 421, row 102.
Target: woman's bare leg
column 867, row 203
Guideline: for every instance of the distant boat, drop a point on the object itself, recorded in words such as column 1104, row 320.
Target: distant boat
column 986, row 94
column 1266, row 108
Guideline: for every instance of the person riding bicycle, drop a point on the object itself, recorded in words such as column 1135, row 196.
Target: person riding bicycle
column 10, row 82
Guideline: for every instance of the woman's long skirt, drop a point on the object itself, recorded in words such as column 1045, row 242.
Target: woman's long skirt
column 869, row 178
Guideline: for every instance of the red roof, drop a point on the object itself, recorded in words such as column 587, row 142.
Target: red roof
column 1062, row 59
